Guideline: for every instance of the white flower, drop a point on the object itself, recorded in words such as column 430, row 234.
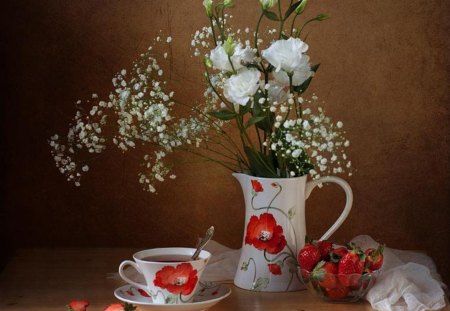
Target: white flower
column 241, row 86
column 287, row 55
column 296, row 153
column 240, row 57
column 267, row 4
column 299, row 76
column 276, row 92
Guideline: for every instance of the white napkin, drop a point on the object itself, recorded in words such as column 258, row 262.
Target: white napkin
column 408, row 281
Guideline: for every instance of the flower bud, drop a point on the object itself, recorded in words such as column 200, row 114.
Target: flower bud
column 229, row 46
column 301, row 7
column 267, row 4
column 208, row 62
column 208, row 4
column 322, row 17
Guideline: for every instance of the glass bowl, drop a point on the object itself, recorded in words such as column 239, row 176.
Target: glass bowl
column 340, row 287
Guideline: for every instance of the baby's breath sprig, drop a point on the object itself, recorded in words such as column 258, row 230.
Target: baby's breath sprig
column 255, row 84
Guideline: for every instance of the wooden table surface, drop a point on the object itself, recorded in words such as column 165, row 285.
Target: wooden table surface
column 47, row 279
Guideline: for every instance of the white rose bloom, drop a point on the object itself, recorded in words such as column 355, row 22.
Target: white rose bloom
column 286, row 54
column 276, row 91
column 241, row 86
column 220, row 59
column 300, row 75
column 287, row 57
column 240, row 57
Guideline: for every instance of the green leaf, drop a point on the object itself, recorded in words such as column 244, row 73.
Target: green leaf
column 315, row 67
column 285, row 37
column 291, row 212
column 259, row 164
column 129, row 307
column 171, row 299
column 271, row 15
column 322, row 17
column 244, row 109
column 223, row 114
column 260, row 284
column 254, row 120
column 291, row 9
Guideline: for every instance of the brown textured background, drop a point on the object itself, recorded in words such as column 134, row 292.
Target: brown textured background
column 385, row 74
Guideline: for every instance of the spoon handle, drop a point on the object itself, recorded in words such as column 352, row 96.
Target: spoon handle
column 209, row 234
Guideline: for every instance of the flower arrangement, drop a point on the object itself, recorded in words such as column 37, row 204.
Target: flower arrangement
column 255, row 117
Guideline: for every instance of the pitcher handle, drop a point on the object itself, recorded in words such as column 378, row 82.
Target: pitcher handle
column 310, row 185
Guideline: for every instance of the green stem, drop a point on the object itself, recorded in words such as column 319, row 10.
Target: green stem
column 213, row 31
column 273, row 199
column 293, row 23
column 215, row 90
column 231, row 63
column 281, row 19
column 306, row 23
column 290, row 281
column 291, row 90
column 276, row 257
column 259, row 139
column 256, row 34
column 254, row 275
column 224, row 164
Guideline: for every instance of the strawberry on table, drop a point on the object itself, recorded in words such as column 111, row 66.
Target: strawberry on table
column 308, row 257
column 120, row 307
column 325, row 274
column 78, row 305
column 374, row 258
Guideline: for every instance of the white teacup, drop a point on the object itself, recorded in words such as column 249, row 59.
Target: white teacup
column 171, row 276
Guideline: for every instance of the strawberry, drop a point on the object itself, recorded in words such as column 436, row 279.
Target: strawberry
column 337, row 253
column 308, row 257
column 114, row 307
column 325, row 248
column 374, row 258
column 337, row 293
column 351, row 267
column 120, row 307
column 78, row 305
column 325, row 274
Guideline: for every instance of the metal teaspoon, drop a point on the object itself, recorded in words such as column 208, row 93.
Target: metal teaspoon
column 209, row 234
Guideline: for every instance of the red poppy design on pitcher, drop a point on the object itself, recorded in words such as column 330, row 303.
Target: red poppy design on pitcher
column 264, row 234
column 177, row 280
column 274, row 268
column 256, row 185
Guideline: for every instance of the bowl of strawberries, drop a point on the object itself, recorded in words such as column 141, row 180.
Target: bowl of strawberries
column 339, row 273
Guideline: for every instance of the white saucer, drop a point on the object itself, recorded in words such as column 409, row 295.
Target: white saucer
column 207, row 295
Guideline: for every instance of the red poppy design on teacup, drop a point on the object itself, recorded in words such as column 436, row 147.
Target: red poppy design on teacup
column 264, row 234
column 177, row 280
column 256, row 185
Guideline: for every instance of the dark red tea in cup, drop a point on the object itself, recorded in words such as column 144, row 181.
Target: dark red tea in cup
column 167, row 258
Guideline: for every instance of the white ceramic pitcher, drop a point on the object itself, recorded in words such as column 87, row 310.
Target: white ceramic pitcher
column 275, row 230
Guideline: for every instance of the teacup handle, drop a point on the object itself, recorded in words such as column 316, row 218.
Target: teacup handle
column 125, row 278
column 310, row 185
